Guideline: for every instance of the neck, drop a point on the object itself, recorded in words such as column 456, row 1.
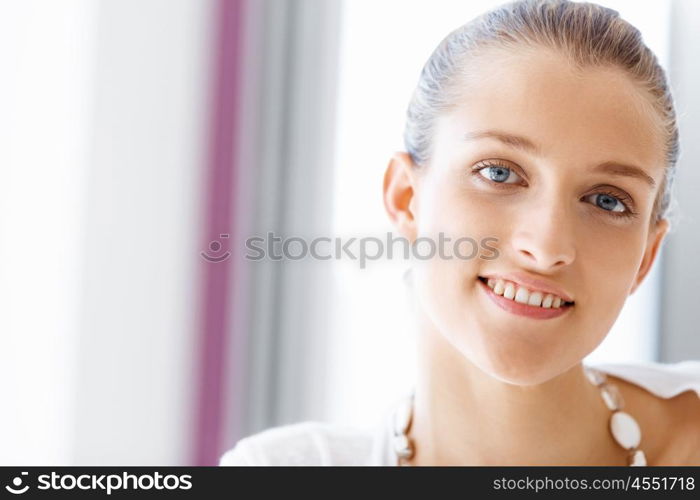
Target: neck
column 464, row 416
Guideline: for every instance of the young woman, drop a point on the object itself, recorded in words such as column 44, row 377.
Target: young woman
column 547, row 126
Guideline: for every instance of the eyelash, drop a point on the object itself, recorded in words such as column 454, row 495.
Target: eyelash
column 624, row 199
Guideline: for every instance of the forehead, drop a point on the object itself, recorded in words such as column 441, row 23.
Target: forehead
column 596, row 114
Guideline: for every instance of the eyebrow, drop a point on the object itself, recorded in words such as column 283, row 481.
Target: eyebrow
column 622, row 170
column 508, row 139
column 524, row 144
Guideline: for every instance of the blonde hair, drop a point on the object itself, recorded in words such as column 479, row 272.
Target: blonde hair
column 589, row 35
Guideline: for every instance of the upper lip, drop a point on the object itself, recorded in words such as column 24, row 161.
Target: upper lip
column 533, row 284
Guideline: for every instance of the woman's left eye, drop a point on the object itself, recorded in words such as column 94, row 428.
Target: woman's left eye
column 499, row 174
column 608, row 202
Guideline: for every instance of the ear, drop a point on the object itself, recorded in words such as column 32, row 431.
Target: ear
column 400, row 200
column 656, row 236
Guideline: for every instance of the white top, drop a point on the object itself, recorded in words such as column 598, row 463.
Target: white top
column 320, row 443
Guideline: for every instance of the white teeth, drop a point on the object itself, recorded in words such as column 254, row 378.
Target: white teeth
column 524, row 296
column 535, row 299
column 547, row 302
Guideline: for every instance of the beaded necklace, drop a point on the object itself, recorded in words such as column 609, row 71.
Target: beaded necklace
column 623, row 426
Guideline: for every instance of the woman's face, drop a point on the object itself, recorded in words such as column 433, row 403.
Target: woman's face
column 534, row 156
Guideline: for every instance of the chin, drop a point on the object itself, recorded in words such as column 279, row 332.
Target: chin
column 522, row 365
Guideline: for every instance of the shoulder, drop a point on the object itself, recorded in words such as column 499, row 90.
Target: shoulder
column 303, row 443
column 666, row 397
column 680, row 416
column 684, row 410
column 688, row 417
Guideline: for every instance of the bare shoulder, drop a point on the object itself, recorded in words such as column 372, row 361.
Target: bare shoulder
column 683, row 414
column 670, row 426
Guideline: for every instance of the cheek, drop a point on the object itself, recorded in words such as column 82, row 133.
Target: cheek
column 457, row 213
column 445, row 286
column 608, row 262
column 606, row 266
column 467, row 224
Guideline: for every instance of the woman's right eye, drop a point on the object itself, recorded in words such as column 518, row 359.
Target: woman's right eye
column 499, row 174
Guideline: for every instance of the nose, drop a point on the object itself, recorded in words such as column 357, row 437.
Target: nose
column 544, row 239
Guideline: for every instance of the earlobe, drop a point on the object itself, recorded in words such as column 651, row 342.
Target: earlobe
column 399, row 194
column 656, row 237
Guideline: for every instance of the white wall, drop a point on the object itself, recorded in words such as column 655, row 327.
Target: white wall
column 102, row 145
column 46, row 63
column 136, row 353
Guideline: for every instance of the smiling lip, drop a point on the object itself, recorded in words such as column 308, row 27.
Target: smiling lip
column 532, row 284
column 514, row 307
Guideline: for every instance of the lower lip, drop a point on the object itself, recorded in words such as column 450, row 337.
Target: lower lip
column 514, row 307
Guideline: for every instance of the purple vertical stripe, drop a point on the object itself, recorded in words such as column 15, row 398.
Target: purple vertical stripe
column 219, row 198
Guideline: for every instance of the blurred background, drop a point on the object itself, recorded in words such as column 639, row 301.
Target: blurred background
column 142, row 142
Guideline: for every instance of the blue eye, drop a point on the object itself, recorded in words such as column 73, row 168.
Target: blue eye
column 611, row 203
column 498, row 173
